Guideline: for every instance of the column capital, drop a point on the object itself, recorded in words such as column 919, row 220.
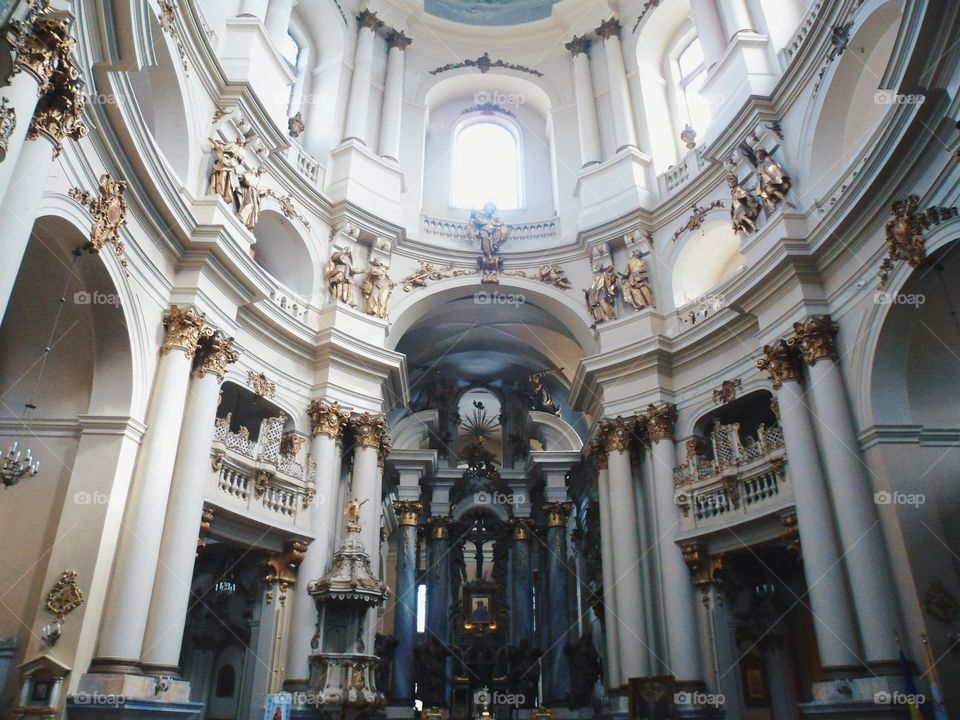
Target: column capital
column 371, row 431
column 661, row 421
column 520, row 528
column 59, row 113
column 183, row 330
column 557, row 513
column 598, row 453
column 781, row 360
column 397, row 39
column 281, row 567
column 609, row 28
column 407, row 511
column 580, row 45
column 439, row 526
column 816, row 337
column 44, row 42
column 328, row 418
column 614, row 434
column 215, row 352
column 368, row 20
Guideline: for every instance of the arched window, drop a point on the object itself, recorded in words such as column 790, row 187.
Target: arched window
column 294, row 51
column 691, row 72
column 486, row 166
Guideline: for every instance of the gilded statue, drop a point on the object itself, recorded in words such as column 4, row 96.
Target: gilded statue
column 540, row 398
column 227, row 159
column 773, row 182
column 250, row 195
column 553, row 274
column 376, row 288
column 602, row 293
column 744, row 207
column 636, row 283
column 490, row 230
column 339, row 273
column 352, row 513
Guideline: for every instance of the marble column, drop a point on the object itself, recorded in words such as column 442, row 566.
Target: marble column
column 679, row 601
column 625, row 131
column 438, row 578
column 277, row 20
column 125, row 612
column 327, row 424
column 521, row 566
column 32, row 166
column 371, row 443
column 405, row 610
column 861, row 535
column 556, row 672
column 598, row 455
column 628, row 623
column 587, row 125
column 358, row 105
column 170, row 599
column 826, row 581
column 391, row 111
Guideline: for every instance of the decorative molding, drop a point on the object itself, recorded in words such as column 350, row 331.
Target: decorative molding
column 109, row 211
column 697, row 217
column 281, row 568
column 609, row 28
column 260, row 384
column 287, row 207
column 647, row 7
column 439, row 526
column 905, row 233
column 397, row 39
column 614, row 435
column 488, row 108
column 726, row 392
column 407, row 512
column 483, row 64
column 261, row 482
column 660, row 421
column 557, row 513
column 65, row 596
column 428, row 271
column 816, row 338
column 168, row 23
column 8, row 122
column 367, row 20
column 579, row 45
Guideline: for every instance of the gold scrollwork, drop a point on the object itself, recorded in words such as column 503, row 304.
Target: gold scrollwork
column 65, row 596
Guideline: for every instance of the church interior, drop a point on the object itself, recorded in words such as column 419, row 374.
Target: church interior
column 479, row 359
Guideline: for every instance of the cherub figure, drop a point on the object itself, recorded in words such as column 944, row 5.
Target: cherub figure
column 553, row 274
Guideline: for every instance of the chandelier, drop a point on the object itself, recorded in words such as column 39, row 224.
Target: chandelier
column 15, row 467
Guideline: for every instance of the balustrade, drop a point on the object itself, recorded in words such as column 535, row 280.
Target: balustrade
column 445, row 231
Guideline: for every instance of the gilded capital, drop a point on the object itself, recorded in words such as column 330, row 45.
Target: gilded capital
column 397, row 39
column 214, row 352
column 407, row 512
column 661, row 421
column 782, row 362
column 439, row 526
column 327, row 418
column 47, row 41
column 609, row 28
column 557, row 513
column 579, row 45
column 184, row 328
column 614, row 434
column 817, row 336
column 368, row 20
column 520, row 528
column 597, row 453
column 59, row 112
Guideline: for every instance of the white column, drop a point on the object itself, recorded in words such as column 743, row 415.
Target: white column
column 736, row 17
column 359, row 102
column 134, row 567
column 254, row 8
column 370, row 437
column 679, row 601
column 826, row 580
column 861, row 535
column 587, row 123
column 629, row 624
column 625, row 130
column 277, row 20
column 612, row 665
column 327, row 422
column 710, row 30
column 170, row 600
column 392, row 109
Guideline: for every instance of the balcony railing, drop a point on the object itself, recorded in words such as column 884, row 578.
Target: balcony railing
column 744, row 478
column 453, row 231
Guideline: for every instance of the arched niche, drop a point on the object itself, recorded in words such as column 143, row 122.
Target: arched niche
column 850, row 104
column 282, row 251
column 161, row 99
column 708, row 257
column 248, row 410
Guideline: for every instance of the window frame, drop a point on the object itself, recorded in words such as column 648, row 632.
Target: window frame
column 678, row 84
column 479, row 118
column 299, row 69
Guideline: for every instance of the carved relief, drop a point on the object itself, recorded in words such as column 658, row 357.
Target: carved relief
column 59, row 112
column 781, row 360
column 65, row 595
column 329, row 419
column 697, row 217
column 260, row 384
column 183, row 330
column 215, row 353
column 905, row 233
column 487, row 228
column 661, row 421
column 109, row 211
column 281, row 568
column 614, row 434
column 816, row 337
column 726, row 392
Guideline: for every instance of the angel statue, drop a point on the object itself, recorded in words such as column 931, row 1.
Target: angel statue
column 602, row 293
column 492, row 233
column 250, row 195
column 744, row 208
column 352, row 513
column 540, row 397
column 227, row 158
column 773, row 182
column 339, row 273
column 553, row 274
column 636, row 283
column 376, row 288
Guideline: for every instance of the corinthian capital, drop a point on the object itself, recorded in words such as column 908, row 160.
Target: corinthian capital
column 579, row 45
column 368, row 20
column 184, row 328
column 661, row 421
column 370, row 431
column 397, row 39
column 597, row 453
column 41, row 45
column 614, row 434
column 557, row 513
column 407, row 511
column 328, row 418
column 781, row 360
column 609, row 28
column 215, row 352
column 816, row 336
column 59, row 112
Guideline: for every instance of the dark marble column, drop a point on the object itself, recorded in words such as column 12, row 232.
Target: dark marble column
column 405, row 613
column 556, row 612
column 438, row 578
column 522, row 582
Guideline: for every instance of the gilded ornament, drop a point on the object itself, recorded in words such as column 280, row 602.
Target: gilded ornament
column 215, row 352
column 370, row 431
column 376, row 288
column 557, row 513
column 773, row 183
column 540, row 398
column 614, row 434
column 781, row 360
column 553, row 274
column 609, row 28
column 41, row 45
column 59, row 112
column 291, row 442
column 340, row 273
column 109, row 211
column 439, row 527
column 486, row 227
column 295, row 125
column 287, row 207
column 397, row 39
column 183, row 330
column 407, row 512
column 281, row 567
column 261, row 384
column 661, row 421
column 905, row 233
column 635, row 284
column 329, row 419
column 206, row 521
column 352, row 513
column 580, row 45
column 65, row 595
column 791, row 533
column 368, row 20
column 726, row 392
column 8, row 121
column 598, row 452
column 744, row 207
column 698, row 216
column 216, row 460
column 816, row 337
column 602, row 293
column 484, row 64
column 309, row 495
column 168, row 23
column 261, row 482
column 520, row 528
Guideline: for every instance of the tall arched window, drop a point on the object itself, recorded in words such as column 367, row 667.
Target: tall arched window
column 487, row 166
column 691, row 72
column 294, row 51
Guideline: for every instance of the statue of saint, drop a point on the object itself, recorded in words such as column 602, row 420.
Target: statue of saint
column 601, row 294
column 340, row 272
column 774, row 183
column 490, row 230
column 376, row 288
column 636, row 283
column 744, row 208
column 540, row 397
column 227, row 158
column 553, row 274
column 250, row 195
column 352, row 513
